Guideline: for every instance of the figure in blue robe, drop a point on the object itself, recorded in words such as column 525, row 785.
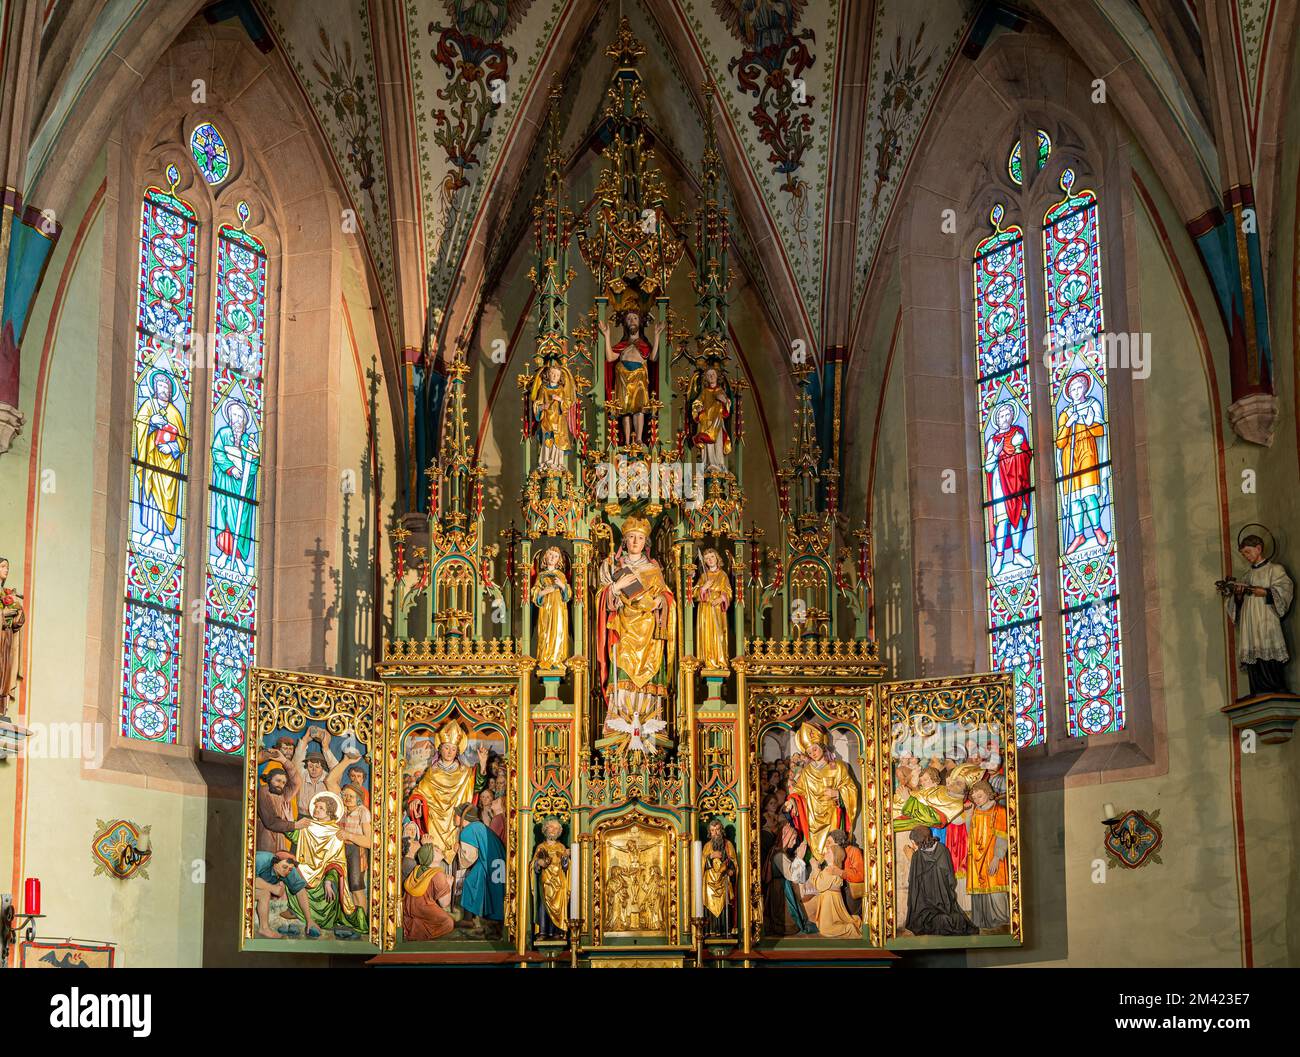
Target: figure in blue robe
column 483, row 892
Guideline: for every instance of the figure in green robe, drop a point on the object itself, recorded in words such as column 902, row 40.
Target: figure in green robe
column 235, row 459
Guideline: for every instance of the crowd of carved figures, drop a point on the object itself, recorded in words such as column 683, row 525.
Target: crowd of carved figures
column 453, row 834
column 948, row 820
column 314, row 836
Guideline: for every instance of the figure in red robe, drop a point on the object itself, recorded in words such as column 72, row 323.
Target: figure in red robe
column 631, row 374
column 1007, row 458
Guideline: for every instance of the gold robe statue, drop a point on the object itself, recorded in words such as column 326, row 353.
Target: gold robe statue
column 718, row 872
column 553, row 877
column 636, row 629
column 824, row 796
column 444, row 786
column 713, row 593
column 551, row 595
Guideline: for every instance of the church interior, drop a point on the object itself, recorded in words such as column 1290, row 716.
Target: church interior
column 649, row 483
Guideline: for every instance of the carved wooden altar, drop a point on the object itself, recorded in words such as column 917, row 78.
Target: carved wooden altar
column 725, row 681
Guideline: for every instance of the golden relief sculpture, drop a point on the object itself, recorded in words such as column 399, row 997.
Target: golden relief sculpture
column 634, row 893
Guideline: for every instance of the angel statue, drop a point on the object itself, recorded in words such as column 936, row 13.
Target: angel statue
column 708, row 408
column 630, row 370
column 554, row 407
column 1256, row 604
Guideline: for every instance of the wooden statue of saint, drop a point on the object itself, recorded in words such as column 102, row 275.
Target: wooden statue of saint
column 1256, row 604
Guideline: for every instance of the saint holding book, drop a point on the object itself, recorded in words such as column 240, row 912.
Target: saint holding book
column 636, row 630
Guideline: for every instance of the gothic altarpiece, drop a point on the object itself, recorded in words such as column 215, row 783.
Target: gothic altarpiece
column 629, row 732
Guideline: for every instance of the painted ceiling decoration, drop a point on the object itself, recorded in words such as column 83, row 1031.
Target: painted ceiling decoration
column 459, row 80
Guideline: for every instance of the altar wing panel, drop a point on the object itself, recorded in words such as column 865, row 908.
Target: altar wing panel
column 950, row 846
column 314, row 790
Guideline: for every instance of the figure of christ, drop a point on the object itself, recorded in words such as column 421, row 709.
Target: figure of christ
column 555, row 414
column 160, row 442
column 932, row 908
column 449, row 781
column 551, row 889
column 628, row 383
column 719, row 882
column 1007, row 458
column 551, row 595
column 710, row 415
column 713, row 596
column 824, row 797
column 1256, row 604
column 1079, row 425
column 235, row 458
column 322, row 860
column 636, row 634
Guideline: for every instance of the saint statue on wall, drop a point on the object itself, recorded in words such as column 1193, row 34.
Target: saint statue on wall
column 13, row 616
column 1256, row 604
column 551, row 885
column 708, row 427
column 554, row 404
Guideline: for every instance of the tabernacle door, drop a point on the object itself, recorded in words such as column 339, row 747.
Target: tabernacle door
column 313, row 795
column 950, row 842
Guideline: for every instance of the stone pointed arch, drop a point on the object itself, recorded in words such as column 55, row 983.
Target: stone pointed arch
column 1277, row 89
column 1109, row 56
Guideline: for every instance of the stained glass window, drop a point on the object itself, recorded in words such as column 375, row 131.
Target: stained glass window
column 1015, row 167
column 1007, row 471
column 160, row 441
column 211, row 155
column 1089, row 560
column 230, row 592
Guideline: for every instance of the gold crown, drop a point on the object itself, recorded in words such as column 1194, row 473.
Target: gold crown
column 636, row 524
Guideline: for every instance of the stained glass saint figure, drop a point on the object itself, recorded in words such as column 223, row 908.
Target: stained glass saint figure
column 235, row 458
column 159, row 445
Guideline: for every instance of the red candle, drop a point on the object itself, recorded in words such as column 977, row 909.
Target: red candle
column 32, row 896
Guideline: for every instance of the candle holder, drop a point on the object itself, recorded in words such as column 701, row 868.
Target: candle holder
column 697, row 932
column 10, row 922
column 575, row 939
